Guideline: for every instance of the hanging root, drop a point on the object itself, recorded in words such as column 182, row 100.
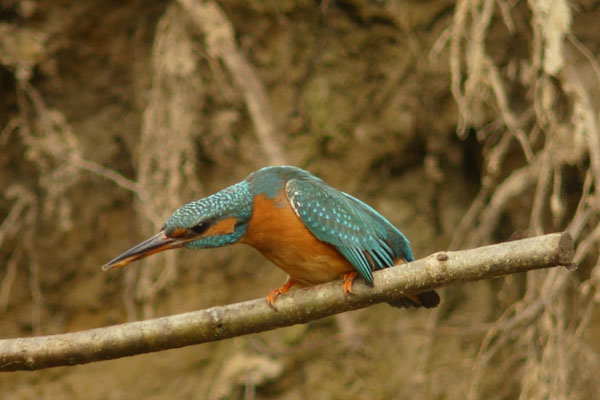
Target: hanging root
column 546, row 324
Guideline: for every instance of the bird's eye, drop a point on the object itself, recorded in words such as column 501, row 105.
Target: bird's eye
column 200, row 228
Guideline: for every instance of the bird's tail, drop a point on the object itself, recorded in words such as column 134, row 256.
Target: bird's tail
column 426, row 299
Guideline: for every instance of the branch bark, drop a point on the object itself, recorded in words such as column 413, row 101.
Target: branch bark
column 439, row 269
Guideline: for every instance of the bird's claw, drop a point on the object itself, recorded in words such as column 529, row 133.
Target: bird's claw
column 276, row 292
column 272, row 297
column 348, row 281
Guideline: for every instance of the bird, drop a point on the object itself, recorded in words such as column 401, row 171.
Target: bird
column 312, row 231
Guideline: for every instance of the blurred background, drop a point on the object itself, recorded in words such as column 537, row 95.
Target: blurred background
column 464, row 122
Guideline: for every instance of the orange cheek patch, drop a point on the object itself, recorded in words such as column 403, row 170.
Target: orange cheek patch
column 178, row 233
column 222, row 227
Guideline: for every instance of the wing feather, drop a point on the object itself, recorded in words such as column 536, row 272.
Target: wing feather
column 365, row 238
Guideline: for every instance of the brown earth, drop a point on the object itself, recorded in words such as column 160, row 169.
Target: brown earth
column 465, row 123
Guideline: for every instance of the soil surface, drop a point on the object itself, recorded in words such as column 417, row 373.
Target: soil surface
column 463, row 122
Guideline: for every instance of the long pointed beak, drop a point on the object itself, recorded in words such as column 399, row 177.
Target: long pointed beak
column 155, row 244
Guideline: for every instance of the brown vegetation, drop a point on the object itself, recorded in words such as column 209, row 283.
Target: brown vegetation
column 466, row 123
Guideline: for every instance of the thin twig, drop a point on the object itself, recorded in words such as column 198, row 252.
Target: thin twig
column 9, row 277
column 510, row 188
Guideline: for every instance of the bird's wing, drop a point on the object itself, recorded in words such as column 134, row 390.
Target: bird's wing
column 343, row 221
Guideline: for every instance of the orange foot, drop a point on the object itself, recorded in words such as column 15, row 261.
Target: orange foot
column 283, row 289
column 348, row 281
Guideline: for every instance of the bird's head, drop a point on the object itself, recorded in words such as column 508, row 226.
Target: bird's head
column 215, row 221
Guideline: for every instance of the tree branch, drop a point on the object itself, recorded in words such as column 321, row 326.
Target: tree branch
column 439, row 269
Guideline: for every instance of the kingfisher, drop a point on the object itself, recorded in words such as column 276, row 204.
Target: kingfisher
column 310, row 230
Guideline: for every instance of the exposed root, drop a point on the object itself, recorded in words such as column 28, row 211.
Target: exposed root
column 209, row 19
column 551, row 139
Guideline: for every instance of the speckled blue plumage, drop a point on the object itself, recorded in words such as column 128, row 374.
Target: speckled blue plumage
column 310, row 230
column 271, row 180
column 362, row 235
column 233, row 201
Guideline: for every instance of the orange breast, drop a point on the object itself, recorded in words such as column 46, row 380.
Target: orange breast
column 276, row 231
